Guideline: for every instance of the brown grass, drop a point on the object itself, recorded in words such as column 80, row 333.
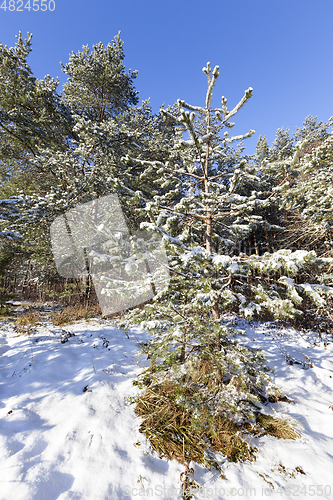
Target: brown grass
column 277, row 427
column 173, row 432
column 228, row 440
column 70, row 314
column 27, row 322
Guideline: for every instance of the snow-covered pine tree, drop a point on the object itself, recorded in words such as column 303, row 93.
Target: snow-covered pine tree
column 308, row 188
column 295, row 187
column 278, row 172
column 202, row 217
column 32, row 115
column 197, row 366
column 100, row 96
column 312, row 131
column 75, row 140
column 32, row 118
column 9, row 212
column 10, row 240
column 98, row 86
column 282, row 146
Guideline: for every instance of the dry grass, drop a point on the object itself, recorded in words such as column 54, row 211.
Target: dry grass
column 277, row 427
column 180, row 426
column 184, row 418
column 228, row 440
column 70, row 314
column 174, row 433
column 27, row 322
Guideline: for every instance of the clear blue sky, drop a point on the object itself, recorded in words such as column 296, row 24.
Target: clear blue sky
column 281, row 48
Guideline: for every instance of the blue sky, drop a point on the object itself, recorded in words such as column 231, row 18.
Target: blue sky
column 281, row 48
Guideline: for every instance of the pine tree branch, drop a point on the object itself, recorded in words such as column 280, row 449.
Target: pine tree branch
column 18, row 138
column 158, row 165
column 186, row 214
column 245, row 98
column 184, row 104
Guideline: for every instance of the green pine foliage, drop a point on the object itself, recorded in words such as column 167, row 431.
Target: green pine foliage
column 98, row 86
column 66, row 149
column 181, row 175
column 206, row 210
column 309, row 190
column 300, row 188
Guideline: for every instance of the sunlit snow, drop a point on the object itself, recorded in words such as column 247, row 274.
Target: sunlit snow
column 69, row 432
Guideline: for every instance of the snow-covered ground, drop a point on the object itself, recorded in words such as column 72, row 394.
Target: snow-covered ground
column 68, row 431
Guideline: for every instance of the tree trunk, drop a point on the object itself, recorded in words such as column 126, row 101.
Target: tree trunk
column 88, row 279
column 209, row 223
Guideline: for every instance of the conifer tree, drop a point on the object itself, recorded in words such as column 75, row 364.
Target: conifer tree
column 293, row 182
column 32, row 115
column 308, row 188
column 262, row 150
column 282, row 146
column 98, row 86
column 8, row 214
column 201, row 216
column 75, row 139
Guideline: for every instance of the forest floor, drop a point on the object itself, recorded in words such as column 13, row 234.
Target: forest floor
column 69, row 432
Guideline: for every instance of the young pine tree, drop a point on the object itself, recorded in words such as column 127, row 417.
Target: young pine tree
column 197, row 367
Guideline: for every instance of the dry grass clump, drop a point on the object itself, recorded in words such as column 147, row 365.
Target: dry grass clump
column 26, row 323
column 277, row 427
column 179, row 425
column 168, row 426
column 228, row 440
column 70, row 314
column 175, row 433
column 191, row 411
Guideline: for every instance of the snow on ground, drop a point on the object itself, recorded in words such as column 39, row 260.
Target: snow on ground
column 68, row 431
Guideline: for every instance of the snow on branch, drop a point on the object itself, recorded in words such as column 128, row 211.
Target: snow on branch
column 245, row 98
column 183, row 104
column 240, row 137
column 211, row 85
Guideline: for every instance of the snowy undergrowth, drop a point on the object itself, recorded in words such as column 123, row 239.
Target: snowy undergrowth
column 67, row 430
